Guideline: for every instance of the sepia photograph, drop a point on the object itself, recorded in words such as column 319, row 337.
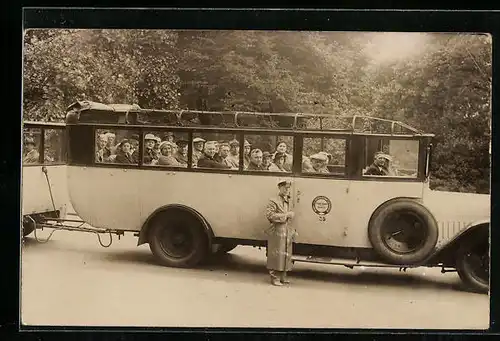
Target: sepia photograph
column 257, row 179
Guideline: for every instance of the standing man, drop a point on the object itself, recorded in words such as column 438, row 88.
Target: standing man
column 280, row 234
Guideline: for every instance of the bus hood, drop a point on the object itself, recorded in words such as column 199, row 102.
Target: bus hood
column 466, row 208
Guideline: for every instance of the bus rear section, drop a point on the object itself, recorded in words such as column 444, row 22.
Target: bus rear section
column 44, row 185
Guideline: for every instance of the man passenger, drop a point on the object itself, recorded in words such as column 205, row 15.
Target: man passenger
column 318, row 163
column 101, row 144
column 149, row 155
column 182, row 152
column 234, row 152
column 380, row 165
column 246, row 154
column 255, row 160
column 266, row 160
column 198, row 144
column 207, row 159
column 31, row 154
column 224, row 155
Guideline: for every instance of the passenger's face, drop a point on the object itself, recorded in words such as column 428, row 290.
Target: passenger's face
column 381, row 162
column 184, row 149
column 224, row 151
column 111, row 140
column 235, row 149
column 317, row 164
column 266, row 161
column 210, row 150
column 126, row 147
column 246, row 150
column 101, row 142
column 281, row 148
column 150, row 144
column 198, row 146
column 280, row 161
column 167, row 150
column 257, row 158
column 29, row 147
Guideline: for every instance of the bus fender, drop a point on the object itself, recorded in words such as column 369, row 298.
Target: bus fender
column 477, row 229
column 143, row 233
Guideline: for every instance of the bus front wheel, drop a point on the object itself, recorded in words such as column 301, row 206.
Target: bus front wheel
column 177, row 239
column 472, row 264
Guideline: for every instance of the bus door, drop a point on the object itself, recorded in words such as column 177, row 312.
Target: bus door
column 320, row 193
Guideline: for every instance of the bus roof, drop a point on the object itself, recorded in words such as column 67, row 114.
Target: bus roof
column 93, row 112
column 45, row 124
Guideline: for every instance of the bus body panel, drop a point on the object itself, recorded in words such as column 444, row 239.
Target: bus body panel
column 35, row 190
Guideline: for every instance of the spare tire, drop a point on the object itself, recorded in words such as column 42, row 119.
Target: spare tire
column 403, row 232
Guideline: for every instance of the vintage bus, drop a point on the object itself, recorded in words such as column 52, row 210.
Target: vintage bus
column 140, row 171
column 44, row 189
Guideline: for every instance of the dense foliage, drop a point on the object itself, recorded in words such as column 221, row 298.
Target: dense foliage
column 443, row 87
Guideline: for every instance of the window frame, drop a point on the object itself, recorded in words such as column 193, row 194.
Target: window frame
column 43, row 127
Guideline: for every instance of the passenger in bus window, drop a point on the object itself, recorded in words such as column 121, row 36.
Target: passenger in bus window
column 198, row 144
column 307, row 165
column 255, row 160
column 167, row 155
column 234, row 152
column 280, row 235
column 110, row 148
column 224, row 155
column 169, row 136
column 318, row 163
column 123, row 154
column 149, row 154
column 217, row 156
column 101, row 145
column 134, row 148
column 282, row 147
column 278, row 163
column 246, row 154
column 182, row 152
column 207, row 159
column 31, row 154
column 266, row 160
column 380, row 165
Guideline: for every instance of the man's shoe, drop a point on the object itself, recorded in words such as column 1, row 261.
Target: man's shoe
column 276, row 283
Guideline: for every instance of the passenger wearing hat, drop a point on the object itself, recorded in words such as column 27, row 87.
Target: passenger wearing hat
column 149, row 155
column 266, row 160
column 380, row 165
column 134, row 147
column 182, row 152
column 234, row 153
column 207, row 160
column 278, row 163
column 31, row 154
column 198, row 146
column 318, row 163
column 167, row 155
column 280, row 235
column 168, row 136
column 110, row 148
column 282, row 147
column 123, row 154
column 100, row 147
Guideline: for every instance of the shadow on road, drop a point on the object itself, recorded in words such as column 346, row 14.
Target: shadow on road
column 248, row 267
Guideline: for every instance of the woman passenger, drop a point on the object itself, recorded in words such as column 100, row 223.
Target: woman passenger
column 278, row 163
column 123, row 154
column 282, row 148
column 167, row 155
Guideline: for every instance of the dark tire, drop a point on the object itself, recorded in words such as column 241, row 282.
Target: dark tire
column 403, row 232
column 28, row 227
column 225, row 248
column 472, row 264
column 177, row 239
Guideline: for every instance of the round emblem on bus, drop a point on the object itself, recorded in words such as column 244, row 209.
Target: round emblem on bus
column 321, row 205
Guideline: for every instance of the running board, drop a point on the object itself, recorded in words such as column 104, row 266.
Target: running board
column 350, row 263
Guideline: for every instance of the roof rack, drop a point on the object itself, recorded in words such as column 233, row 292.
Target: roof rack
column 133, row 114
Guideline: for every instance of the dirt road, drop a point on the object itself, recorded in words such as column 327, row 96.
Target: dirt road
column 71, row 280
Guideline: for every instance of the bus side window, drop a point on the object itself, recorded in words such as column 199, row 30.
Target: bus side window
column 165, row 149
column 324, row 155
column 395, row 157
column 54, row 146
column 31, row 146
column 216, row 151
column 116, row 146
column 269, row 153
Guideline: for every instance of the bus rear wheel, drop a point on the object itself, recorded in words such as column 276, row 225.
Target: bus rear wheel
column 177, row 239
column 472, row 264
column 403, row 232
